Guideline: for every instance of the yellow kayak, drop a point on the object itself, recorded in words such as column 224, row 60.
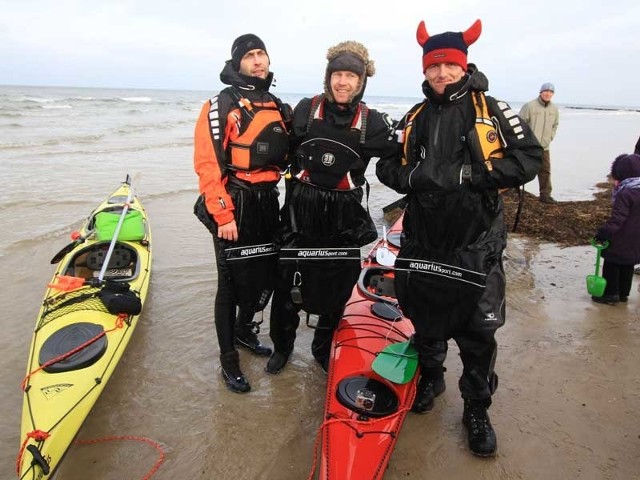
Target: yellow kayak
column 89, row 312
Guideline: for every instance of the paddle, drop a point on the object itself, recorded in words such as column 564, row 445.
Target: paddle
column 595, row 283
column 77, row 240
column 116, row 232
column 392, row 212
column 397, row 362
column 399, row 204
column 384, row 256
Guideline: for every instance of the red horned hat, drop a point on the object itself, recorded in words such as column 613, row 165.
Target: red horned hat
column 447, row 47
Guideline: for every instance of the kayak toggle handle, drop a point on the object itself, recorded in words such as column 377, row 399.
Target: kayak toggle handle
column 38, row 459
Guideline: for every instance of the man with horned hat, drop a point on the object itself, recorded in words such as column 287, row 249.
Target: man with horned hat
column 455, row 150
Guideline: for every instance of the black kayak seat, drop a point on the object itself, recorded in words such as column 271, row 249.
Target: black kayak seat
column 382, row 285
column 377, row 284
column 367, row 396
column 69, row 338
column 120, row 257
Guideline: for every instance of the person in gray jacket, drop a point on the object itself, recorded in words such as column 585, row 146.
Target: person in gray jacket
column 543, row 118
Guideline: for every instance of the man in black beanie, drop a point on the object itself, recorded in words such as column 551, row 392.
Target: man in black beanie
column 241, row 144
column 243, row 44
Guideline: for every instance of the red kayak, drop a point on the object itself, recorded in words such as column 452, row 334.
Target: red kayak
column 364, row 410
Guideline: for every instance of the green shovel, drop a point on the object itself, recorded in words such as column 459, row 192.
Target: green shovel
column 596, row 283
column 397, row 362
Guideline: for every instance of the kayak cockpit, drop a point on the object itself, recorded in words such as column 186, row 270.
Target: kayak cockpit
column 123, row 264
column 377, row 283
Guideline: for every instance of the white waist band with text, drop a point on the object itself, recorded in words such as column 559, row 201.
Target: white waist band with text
column 250, row 251
column 296, row 254
column 442, row 270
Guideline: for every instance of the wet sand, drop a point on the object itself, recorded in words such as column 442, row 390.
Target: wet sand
column 567, row 406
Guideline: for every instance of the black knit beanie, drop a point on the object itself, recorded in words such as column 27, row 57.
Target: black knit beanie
column 242, row 45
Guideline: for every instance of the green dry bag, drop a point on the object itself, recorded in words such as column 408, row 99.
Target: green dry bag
column 132, row 227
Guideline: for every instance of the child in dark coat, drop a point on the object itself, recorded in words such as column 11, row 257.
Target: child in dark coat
column 622, row 230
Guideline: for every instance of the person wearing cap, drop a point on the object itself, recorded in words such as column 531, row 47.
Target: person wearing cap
column 324, row 223
column 449, row 276
column 240, row 146
column 543, row 117
column 621, row 230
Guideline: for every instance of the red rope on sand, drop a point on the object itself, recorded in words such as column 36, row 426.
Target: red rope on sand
column 119, row 324
column 37, row 435
column 146, row 440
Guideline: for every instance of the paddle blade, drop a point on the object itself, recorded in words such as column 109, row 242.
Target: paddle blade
column 397, row 362
column 64, row 251
column 66, row 283
column 385, row 257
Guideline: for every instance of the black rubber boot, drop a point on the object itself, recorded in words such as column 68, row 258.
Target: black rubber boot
column 246, row 338
column 233, row 377
column 324, row 364
column 247, row 335
column 277, row 362
column 428, row 389
column 607, row 299
column 482, row 437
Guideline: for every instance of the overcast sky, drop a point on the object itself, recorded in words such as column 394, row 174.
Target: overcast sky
column 588, row 49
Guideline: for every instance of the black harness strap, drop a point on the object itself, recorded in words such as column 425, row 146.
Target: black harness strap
column 363, row 113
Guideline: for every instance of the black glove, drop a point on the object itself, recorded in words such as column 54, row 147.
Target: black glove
column 602, row 235
column 480, row 177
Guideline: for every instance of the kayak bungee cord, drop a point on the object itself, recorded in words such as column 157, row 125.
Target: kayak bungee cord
column 120, row 320
column 40, row 436
column 352, row 423
column 102, row 279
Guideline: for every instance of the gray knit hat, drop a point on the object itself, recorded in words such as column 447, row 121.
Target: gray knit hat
column 547, row 86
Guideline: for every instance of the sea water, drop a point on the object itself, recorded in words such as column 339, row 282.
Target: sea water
column 65, row 147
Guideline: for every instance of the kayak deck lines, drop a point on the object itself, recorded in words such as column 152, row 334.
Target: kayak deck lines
column 86, row 320
column 371, row 382
column 120, row 321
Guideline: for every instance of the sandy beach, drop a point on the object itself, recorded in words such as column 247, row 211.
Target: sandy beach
column 567, row 405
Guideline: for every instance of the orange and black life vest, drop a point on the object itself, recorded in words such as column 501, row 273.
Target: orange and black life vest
column 490, row 139
column 485, row 137
column 258, row 137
